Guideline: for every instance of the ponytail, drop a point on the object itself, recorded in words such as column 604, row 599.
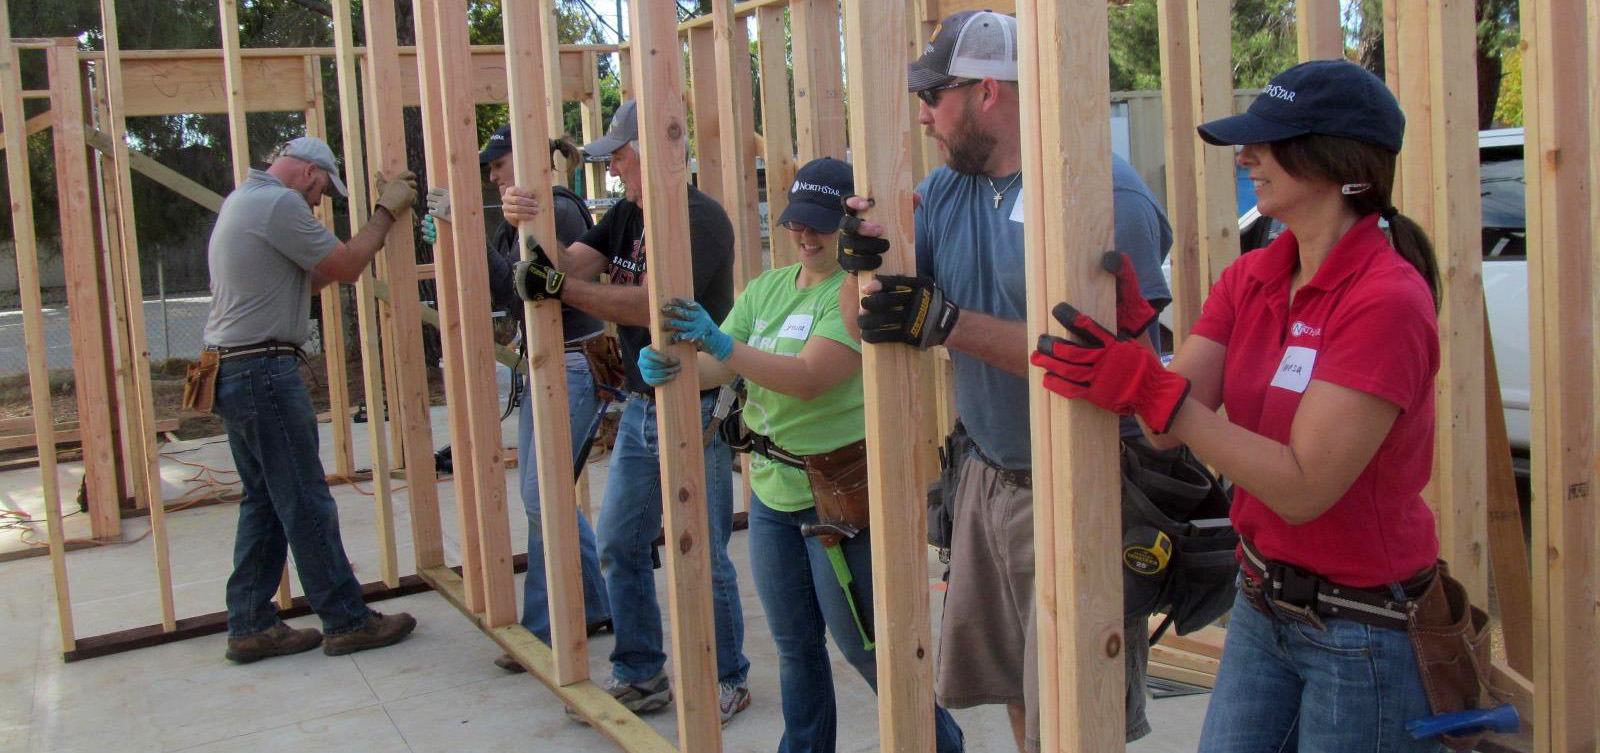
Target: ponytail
column 1346, row 161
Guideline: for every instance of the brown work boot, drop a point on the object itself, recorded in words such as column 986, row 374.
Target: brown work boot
column 278, row 640
column 381, row 630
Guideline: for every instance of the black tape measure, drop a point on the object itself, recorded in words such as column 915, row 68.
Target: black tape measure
column 1146, row 550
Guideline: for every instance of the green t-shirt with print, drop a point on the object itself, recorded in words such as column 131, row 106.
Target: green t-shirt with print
column 774, row 316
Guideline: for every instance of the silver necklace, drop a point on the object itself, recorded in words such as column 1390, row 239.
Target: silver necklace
column 1000, row 193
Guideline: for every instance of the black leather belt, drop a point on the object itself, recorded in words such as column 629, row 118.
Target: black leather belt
column 1288, row 593
column 1019, row 478
column 257, row 350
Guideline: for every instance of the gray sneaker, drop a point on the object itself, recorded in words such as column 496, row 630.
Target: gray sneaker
column 639, row 697
column 732, row 699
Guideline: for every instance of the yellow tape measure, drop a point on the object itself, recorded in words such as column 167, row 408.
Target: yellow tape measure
column 1146, row 551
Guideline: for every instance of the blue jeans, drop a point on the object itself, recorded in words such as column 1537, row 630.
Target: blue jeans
column 630, row 519
column 581, row 406
column 1290, row 688
column 804, row 601
column 272, row 430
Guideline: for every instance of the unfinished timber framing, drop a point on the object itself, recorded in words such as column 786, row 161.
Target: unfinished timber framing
column 1066, row 142
column 664, row 144
column 1561, row 262
column 1546, row 616
column 27, row 253
column 139, row 437
column 530, row 47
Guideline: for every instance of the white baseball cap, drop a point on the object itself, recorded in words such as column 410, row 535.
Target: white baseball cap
column 317, row 152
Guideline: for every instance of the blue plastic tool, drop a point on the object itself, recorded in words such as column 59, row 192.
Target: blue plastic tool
column 1498, row 719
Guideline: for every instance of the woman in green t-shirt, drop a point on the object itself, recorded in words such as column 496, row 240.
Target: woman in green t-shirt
column 786, row 338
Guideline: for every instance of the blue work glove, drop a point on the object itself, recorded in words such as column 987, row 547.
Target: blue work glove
column 656, row 367
column 693, row 325
column 430, row 232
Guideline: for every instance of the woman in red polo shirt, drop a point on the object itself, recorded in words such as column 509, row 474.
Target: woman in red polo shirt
column 1322, row 348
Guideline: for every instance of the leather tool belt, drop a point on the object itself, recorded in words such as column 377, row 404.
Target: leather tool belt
column 1288, row 593
column 257, row 350
column 839, row 486
column 1021, row 479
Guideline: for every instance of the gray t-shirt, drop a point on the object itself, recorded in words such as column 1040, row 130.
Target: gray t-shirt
column 974, row 252
column 262, row 250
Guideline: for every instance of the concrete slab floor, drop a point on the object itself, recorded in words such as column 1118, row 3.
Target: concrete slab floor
column 438, row 691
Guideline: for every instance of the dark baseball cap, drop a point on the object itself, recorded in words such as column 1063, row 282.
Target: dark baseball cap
column 624, row 128
column 974, row 44
column 817, row 196
column 1328, row 97
column 499, row 145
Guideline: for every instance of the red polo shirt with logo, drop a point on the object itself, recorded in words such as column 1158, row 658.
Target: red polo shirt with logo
column 1365, row 321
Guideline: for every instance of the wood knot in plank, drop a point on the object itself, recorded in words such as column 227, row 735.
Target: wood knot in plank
column 675, row 130
column 683, row 494
column 1114, row 646
column 685, row 542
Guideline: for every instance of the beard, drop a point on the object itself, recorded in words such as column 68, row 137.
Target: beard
column 968, row 147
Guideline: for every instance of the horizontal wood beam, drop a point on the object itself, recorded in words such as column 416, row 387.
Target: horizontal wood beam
column 34, row 125
column 174, row 82
column 179, row 183
column 740, row 10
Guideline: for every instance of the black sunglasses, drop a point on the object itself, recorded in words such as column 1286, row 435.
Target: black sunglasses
column 930, row 97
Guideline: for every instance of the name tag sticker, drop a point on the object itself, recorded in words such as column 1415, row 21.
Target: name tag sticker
column 1294, row 371
column 796, row 327
column 1016, row 209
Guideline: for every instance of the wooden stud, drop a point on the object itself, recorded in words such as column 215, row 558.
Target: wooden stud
column 366, row 305
column 1067, row 169
column 893, row 402
column 1508, row 550
column 233, row 75
column 555, row 70
column 1211, row 72
column 590, row 119
column 1178, row 81
column 389, row 358
column 708, row 130
column 450, row 336
column 91, row 367
column 818, row 79
column 663, row 141
column 736, row 115
column 409, row 406
column 139, row 406
column 332, row 297
column 1560, row 283
column 483, row 406
column 1391, row 71
column 27, row 253
column 1319, row 30
column 777, row 130
column 130, row 479
column 625, row 66
column 1413, row 88
column 530, row 34
column 1461, row 480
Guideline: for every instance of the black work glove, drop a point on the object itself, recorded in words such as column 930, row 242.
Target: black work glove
column 537, row 279
column 857, row 252
column 910, row 310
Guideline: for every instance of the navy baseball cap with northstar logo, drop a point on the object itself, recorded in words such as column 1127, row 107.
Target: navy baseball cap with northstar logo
column 817, row 197
column 1328, row 97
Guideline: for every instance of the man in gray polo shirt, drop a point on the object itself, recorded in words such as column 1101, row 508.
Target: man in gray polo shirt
column 267, row 254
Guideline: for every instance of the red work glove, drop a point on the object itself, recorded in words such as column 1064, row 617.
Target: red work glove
column 1134, row 313
column 1117, row 374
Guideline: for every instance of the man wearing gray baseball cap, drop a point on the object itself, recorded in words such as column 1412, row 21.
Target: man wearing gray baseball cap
column 970, row 271
column 631, row 513
column 268, row 252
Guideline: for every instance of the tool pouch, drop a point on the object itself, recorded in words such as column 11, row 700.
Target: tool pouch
column 839, row 484
column 200, row 383
column 1451, row 640
column 605, row 363
column 942, row 492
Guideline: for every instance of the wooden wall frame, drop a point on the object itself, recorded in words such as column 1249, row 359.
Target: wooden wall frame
column 1076, row 481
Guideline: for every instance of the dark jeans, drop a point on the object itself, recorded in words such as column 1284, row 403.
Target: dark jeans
column 804, row 602
column 272, row 430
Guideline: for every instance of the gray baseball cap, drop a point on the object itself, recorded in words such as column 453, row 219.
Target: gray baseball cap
column 624, row 128
column 974, row 44
column 317, row 152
